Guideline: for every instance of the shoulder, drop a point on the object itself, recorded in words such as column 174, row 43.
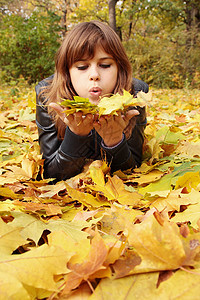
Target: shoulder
column 43, row 83
column 139, row 85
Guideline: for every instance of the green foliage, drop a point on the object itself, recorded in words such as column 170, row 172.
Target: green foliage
column 28, row 45
column 161, row 43
column 161, row 37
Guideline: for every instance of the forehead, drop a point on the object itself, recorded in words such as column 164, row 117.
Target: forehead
column 90, row 49
column 99, row 53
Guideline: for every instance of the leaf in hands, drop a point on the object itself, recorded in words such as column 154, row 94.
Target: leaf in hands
column 106, row 106
column 79, row 104
column 117, row 102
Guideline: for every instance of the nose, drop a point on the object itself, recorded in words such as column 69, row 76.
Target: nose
column 94, row 74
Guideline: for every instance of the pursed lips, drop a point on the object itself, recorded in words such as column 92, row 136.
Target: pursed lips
column 95, row 91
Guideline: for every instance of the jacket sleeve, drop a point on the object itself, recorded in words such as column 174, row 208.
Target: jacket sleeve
column 62, row 158
column 128, row 154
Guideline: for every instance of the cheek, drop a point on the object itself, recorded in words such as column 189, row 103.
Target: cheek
column 75, row 80
column 115, row 72
column 115, row 76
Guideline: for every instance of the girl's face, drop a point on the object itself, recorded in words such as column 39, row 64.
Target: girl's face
column 92, row 78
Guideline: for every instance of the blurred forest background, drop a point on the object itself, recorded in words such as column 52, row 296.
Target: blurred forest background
column 161, row 37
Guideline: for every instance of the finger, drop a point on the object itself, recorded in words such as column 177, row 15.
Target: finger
column 96, row 117
column 69, row 119
column 120, row 122
column 131, row 113
column 58, row 109
column 78, row 118
column 97, row 126
column 89, row 117
column 103, row 121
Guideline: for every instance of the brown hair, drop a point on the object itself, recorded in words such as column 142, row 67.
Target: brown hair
column 81, row 42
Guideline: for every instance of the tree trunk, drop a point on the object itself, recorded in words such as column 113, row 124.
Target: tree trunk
column 112, row 14
column 192, row 14
column 192, row 20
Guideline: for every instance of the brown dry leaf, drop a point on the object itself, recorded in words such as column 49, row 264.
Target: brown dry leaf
column 3, row 120
column 82, row 271
column 49, row 191
column 115, row 219
column 85, row 215
column 82, row 293
column 50, row 209
column 126, row 263
column 6, row 192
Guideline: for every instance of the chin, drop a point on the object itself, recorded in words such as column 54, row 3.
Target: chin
column 93, row 101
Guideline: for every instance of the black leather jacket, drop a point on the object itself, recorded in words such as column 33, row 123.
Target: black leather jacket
column 66, row 158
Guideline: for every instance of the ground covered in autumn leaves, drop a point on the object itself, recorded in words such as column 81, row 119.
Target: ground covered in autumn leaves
column 132, row 235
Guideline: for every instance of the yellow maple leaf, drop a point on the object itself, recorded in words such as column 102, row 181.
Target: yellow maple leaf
column 160, row 245
column 12, row 288
column 117, row 102
column 176, row 285
column 191, row 214
column 37, row 267
column 189, row 180
column 10, row 238
column 85, row 198
column 175, row 199
column 113, row 189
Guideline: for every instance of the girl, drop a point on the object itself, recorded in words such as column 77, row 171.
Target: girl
column 91, row 63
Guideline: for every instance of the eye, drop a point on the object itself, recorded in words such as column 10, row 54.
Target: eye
column 84, row 67
column 105, row 66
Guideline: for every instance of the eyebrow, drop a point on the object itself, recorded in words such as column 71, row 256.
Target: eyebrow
column 101, row 58
column 107, row 57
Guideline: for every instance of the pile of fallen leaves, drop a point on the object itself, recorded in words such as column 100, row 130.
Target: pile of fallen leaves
column 130, row 235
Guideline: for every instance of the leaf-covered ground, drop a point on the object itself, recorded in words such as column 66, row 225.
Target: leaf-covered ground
column 133, row 235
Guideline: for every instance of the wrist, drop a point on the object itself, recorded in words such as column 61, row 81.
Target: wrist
column 79, row 132
column 113, row 143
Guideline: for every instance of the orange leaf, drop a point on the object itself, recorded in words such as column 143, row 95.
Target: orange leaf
column 93, row 263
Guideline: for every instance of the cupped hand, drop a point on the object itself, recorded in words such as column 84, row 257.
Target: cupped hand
column 111, row 128
column 78, row 123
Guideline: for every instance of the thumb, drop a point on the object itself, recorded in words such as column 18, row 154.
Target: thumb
column 131, row 113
